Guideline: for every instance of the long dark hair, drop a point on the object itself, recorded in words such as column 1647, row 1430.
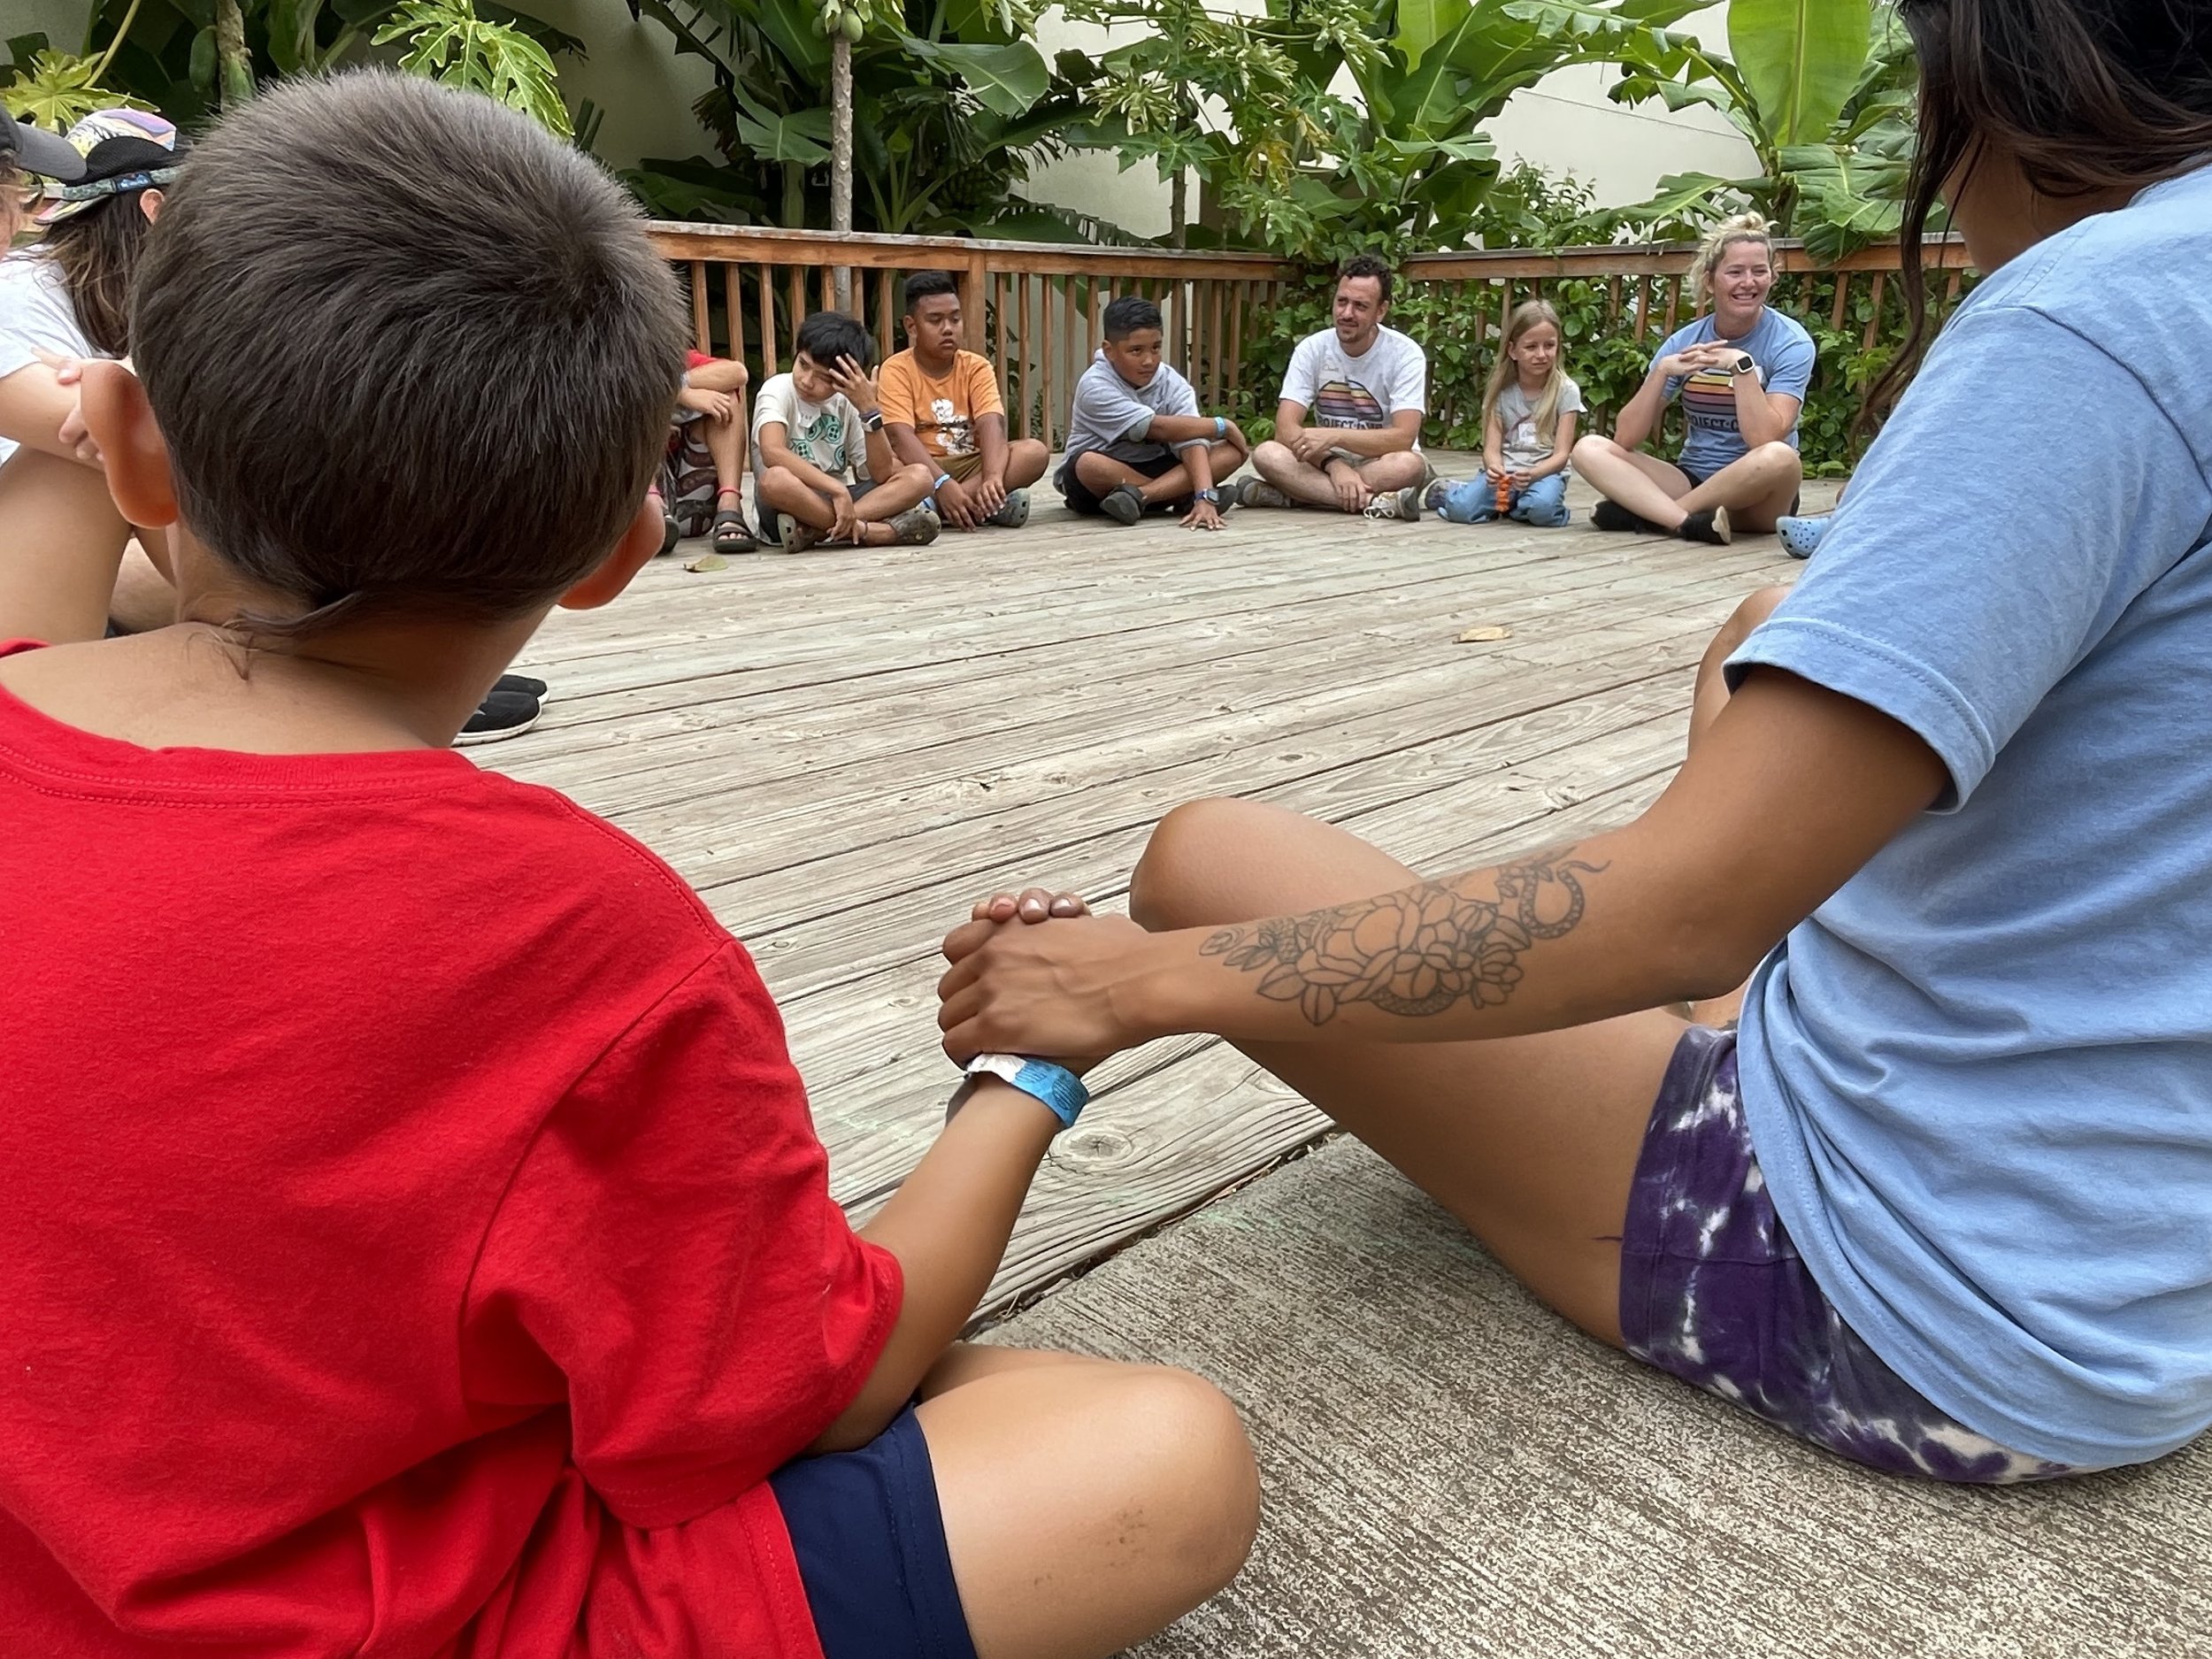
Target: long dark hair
column 97, row 251
column 2088, row 95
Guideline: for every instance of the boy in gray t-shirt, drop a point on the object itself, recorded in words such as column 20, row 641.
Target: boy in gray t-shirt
column 1136, row 441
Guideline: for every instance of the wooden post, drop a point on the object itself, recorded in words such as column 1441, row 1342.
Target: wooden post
column 886, row 314
column 1030, row 361
column 700, row 331
column 1071, row 339
column 972, row 302
column 1049, row 410
column 1237, row 302
column 733, row 302
column 999, row 303
column 1873, row 316
column 1214, row 365
column 1843, row 296
column 767, row 322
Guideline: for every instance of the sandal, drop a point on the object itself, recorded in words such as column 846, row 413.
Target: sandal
column 731, row 534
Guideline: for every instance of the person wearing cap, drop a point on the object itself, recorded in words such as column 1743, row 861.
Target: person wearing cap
column 64, row 299
column 24, row 149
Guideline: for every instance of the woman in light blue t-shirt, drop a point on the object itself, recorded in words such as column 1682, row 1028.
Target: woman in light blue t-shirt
column 1741, row 371
column 1943, row 1202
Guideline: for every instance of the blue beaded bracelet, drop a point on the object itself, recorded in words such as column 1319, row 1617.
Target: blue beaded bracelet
column 1059, row 1090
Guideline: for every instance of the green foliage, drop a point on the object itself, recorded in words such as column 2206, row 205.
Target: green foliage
column 169, row 55
column 1822, row 89
column 54, row 89
column 951, row 107
column 447, row 41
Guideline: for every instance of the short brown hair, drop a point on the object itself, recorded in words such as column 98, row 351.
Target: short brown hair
column 409, row 353
column 1370, row 264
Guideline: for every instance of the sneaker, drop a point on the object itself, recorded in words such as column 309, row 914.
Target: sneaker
column 1800, row 537
column 918, row 527
column 1611, row 515
column 1015, row 513
column 1254, row 492
column 1396, row 503
column 1433, row 497
column 1124, row 504
column 1707, row 526
column 522, row 685
column 502, row 715
column 672, row 532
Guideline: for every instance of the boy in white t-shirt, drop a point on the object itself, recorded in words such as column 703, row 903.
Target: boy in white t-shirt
column 825, row 471
column 1365, row 388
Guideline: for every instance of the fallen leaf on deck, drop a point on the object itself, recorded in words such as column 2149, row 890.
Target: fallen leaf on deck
column 1476, row 637
column 709, row 561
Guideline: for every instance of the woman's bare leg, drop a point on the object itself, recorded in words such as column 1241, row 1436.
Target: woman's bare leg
column 1532, row 1141
column 1756, row 489
column 1648, row 487
column 1086, row 1503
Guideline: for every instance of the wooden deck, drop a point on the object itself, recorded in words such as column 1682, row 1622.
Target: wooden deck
column 841, row 751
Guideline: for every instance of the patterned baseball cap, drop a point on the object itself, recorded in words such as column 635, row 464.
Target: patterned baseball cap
column 46, row 154
column 123, row 151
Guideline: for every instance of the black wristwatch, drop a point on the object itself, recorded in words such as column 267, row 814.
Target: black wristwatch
column 1744, row 363
column 872, row 421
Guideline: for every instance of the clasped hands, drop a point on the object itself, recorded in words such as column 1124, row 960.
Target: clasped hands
column 1063, row 992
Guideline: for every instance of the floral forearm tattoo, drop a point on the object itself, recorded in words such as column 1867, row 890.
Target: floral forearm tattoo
column 1414, row 953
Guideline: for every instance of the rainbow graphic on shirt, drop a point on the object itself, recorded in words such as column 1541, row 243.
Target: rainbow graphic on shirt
column 1708, row 400
column 1348, row 403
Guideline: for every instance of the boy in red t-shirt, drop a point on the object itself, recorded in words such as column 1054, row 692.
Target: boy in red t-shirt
column 417, row 1242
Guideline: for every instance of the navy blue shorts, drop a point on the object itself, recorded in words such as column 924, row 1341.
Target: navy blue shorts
column 870, row 1546
column 1713, row 1290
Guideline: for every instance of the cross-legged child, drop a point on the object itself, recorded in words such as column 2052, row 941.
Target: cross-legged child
column 941, row 410
column 1136, row 441
column 1528, row 432
column 824, row 463
column 416, row 1239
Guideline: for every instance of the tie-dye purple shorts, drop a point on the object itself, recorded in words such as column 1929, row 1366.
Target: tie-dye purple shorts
column 1713, row 1290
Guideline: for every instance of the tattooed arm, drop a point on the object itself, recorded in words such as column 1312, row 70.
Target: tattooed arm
column 1792, row 790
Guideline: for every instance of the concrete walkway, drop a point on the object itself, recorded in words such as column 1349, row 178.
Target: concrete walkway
column 1450, row 1470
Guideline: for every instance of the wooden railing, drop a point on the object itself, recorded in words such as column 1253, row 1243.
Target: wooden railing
column 1036, row 308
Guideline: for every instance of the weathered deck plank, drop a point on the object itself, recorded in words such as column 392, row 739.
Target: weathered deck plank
column 840, row 751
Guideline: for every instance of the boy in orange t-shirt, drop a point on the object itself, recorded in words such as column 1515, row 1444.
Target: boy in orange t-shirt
column 941, row 407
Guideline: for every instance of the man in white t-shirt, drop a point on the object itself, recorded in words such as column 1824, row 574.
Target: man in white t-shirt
column 1347, row 430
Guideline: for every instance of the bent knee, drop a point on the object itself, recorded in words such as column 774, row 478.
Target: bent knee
column 921, row 477
column 1272, row 453
column 1186, row 1443
column 1169, row 887
column 1781, row 456
column 780, row 478
column 1594, row 444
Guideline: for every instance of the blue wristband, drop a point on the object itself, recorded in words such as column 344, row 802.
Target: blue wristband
column 1059, row 1090
column 943, row 478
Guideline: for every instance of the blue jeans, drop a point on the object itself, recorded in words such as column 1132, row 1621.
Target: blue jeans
column 1543, row 503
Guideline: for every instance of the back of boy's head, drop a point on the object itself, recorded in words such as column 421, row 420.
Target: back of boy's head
column 407, row 351
column 1128, row 314
column 828, row 335
column 925, row 285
